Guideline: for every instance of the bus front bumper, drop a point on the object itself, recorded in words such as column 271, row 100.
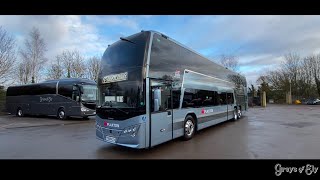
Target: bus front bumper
column 88, row 113
column 117, row 137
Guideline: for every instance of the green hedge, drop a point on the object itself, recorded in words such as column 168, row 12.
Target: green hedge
column 2, row 101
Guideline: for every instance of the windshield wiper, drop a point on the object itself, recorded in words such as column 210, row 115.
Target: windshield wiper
column 88, row 101
column 122, row 110
column 124, row 39
column 126, row 112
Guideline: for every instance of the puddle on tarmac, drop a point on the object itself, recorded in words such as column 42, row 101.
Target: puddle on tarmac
column 299, row 124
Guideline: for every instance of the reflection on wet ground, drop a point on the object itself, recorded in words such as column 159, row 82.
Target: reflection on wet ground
column 278, row 131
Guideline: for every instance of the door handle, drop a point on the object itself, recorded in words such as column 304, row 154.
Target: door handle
column 169, row 113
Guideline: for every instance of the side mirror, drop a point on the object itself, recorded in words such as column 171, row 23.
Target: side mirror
column 157, row 99
column 156, row 105
column 81, row 89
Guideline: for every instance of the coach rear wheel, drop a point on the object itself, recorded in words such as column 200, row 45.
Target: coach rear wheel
column 235, row 114
column 19, row 112
column 239, row 113
column 61, row 114
column 189, row 127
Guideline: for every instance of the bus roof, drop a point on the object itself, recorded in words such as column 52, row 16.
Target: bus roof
column 184, row 46
column 70, row 80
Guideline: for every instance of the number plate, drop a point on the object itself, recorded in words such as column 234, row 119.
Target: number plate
column 110, row 139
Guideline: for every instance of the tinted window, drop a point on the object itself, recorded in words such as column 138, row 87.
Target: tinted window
column 45, row 88
column 121, row 100
column 125, row 56
column 11, row 91
column 32, row 89
column 65, row 90
column 230, row 98
column 127, row 94
column 198, row 98
column 222, row 98
column 160, row 96
column 89, row 93
column 167, row 57
column 176, row 98
column 189, row 96
column 201, row 98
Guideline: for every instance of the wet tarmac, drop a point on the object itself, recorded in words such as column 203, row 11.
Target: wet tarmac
column 275, row 132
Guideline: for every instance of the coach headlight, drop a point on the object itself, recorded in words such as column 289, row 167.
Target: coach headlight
column 131, row 130
column 84, row 109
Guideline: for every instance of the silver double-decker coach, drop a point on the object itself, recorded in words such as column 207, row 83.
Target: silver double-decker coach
column 152, row 89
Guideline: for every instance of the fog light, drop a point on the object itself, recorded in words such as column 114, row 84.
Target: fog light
column 133, row 134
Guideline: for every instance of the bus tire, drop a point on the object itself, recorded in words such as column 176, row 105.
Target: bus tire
column 239, row 113
column 61, row 114
column 20, row 112
column 235, row 114
column 189, row 128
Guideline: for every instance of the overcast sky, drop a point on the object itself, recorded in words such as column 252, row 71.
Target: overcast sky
column 259, row 41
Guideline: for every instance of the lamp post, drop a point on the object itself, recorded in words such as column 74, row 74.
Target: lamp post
column 290, row 98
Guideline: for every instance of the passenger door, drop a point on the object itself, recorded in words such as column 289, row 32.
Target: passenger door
column 161, row 111
column 75, row 105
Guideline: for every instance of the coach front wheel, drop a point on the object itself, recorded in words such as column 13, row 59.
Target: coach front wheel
column 189, row 127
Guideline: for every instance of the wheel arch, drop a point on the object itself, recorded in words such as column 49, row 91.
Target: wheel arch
column 194, row 116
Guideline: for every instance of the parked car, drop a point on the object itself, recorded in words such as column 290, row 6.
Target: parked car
column 297, row 101
column 304, row 101
column 256, row 101
column 313, row 101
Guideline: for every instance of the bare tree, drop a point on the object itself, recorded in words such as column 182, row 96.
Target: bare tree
column 93, row 68
column 55, row 70
column 7, row 55
column 237, row 80
column 23, row 71
column 306, row 77
column 34, row 53
column 73, row 63
column 252, row 90
column 264, row 84
column 276, row 79
column 315, row 62
column 291, row 66
column 78, row 69
column 230, row 61
column 301, row 74
column 66, row 57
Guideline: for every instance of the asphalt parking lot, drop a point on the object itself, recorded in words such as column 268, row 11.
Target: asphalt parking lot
column 275, row 132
